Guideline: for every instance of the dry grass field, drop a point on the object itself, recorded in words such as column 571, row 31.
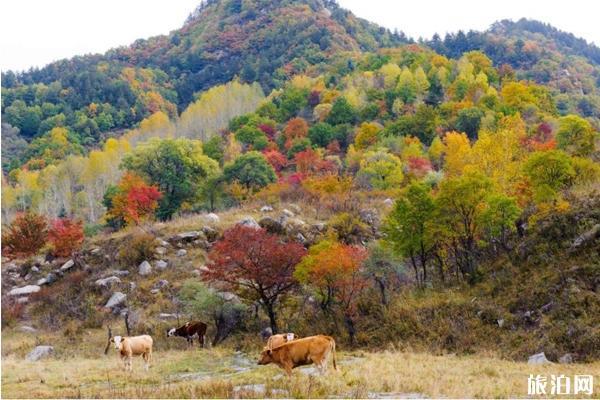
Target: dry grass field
column 79, row 369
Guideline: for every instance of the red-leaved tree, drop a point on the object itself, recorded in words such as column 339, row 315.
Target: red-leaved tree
column 256, row 265
column 25, row 236
column 135, row 200
column 66, row 236
column 296, row 128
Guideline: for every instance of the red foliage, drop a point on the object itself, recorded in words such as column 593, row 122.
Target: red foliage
column 295, row 178
column 25, row 236
column 306, row 160
column 333, row 148
column 136, row 199
column 419, row 166
column 66, row 236
column 296, row 128
column 277, row 160
column 542, row 140
column 254, row 264
column 268, row 130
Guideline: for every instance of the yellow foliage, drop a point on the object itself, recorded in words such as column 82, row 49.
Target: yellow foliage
column 458, row 150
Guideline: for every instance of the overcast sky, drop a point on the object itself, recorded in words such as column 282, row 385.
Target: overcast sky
column 36, row 32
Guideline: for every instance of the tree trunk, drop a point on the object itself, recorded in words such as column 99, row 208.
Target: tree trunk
column 272, row 317
column 350, row 328
column 381, row 285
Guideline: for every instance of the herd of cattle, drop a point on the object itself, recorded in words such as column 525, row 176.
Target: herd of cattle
column 285, row 350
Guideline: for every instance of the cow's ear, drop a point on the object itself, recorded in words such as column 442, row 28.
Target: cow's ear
column 269, row 352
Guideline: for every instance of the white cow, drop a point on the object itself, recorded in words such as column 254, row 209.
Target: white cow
column 129, row 346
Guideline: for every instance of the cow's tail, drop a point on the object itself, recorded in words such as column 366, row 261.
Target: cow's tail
column 333, row 353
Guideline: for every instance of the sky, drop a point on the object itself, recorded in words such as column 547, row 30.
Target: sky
column 37, row 32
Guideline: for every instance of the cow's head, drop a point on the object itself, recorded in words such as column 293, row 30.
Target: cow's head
column 117, row 340
column 266, row 356
column 171, row 332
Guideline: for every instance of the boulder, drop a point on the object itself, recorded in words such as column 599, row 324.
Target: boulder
column 212, row 218
column 271, row 225
column 106, row 282
column 388, row 202
column 228, row 296
column 27, row 329
column 95, row 251
column 181, row 252
column 188, row 237
column 23, row 300
column 539, row 358
column 145, row 268
column 249, row 222
column 34, row 269
column 155, row 291
column 68, row 265
column 162, row 243
column 566, row 359
column 266, row 209
column 210, row 233
column 586, row 237
column 24, row 290
column 287, row 213
column 115, row 300
column 500, row 323
column 161, row 264
column 161, row 251
column 120, row 272
column 40, row 352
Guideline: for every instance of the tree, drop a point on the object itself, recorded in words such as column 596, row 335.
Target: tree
column 66, row 236
column 25, row 236
column 409, row 228
column 342, row 112
column 334, row 271
column 251, row 136
column 132, row 201
column 380, row 170
column 468, row 121
column 549, row 172
column 407, row 87
column 296, row 128
column 321, row 134
column 252, row 170
column 204, row 302
column 458, row 149
column 256, row 265
column 176, row 166
column 576, row 136
column 384, row 267
column 367, row 135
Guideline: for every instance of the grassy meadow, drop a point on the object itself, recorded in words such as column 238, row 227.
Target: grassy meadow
column 80, row 369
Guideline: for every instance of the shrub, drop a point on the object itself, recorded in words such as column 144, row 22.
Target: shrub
column 25, row 236
column 138, row 248
column 66, row 236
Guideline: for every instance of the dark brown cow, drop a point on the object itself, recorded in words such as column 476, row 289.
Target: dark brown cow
column 312, row 349
column 189, row 330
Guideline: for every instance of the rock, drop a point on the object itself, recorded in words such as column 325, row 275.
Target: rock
column 188, row 237
column 11, row 267
column 500, row 323
column 161, row 251
column 68, row 265
column 388, row 202
column 167, row 316
column 586, row 237
column 320, row 227
column 145, row 268
column 210, row 233
column 212, row 218
column 120, row 272
column 132, row 286
column 287, row 213
column 155, row 291
column 106, row 282
column 161, row 284
column 266, row 209
column 162, row 243
column 161, row 264
column 249, row 222
column 95, row 251
column 228, row 296
column 116, row 299
column 181, row 252
column 23, row 300
column 203, row 268
column 300, row 238
column 566, row 359
column 27, row 329
column 271, row 225
column 295, row 208
column 39, row 352
column 24, row 290
column 539, row 358
column 266, row 333
column 34, row 269
column 370, row 217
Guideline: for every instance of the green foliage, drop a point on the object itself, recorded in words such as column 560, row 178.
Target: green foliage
column 342, row 112
column 576, row 136
column 549, row 172
column 297, row 146
column 321, row 134
column 251, row 170
column 380, row 170
column 469, row 121
column 177, row 166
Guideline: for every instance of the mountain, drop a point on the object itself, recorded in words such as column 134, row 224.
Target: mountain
column 265, row 41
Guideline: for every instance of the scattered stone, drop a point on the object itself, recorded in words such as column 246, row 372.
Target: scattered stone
column 24, row 290
column 287, row 213
column 155, row 291
column 120, row 272
column 210, row 233
column 106, row 282
column 145, row 268
column 181, row 252
column 320, row 226
column 161, row 251
column 388, row 202
column 116, row 299
column 539, row 358
column 161, row 264
column 203, row 268
column 212, row 218
column 500, row 323
column 566, row 359
column 132, row 286
column 162, row 243
column 586, row 237
column 300, row 238
column 547, row 307
column 228, row 296
column 23, row 300
column 27, row 329
column 162, row 283
column 11, row 266
column 189, row 236
column 167, row 316
column 95, row 251
column 370, row 217
column 266, row 209
column 249, row 222
column 68, row 265
column 39, row 352
column 34, row 269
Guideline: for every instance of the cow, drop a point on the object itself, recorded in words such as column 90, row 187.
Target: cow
column 278, row 340
column 129, row 346
column 309, row 350
column 188, row 331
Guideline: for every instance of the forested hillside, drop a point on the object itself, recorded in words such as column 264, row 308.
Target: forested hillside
column 380, row 192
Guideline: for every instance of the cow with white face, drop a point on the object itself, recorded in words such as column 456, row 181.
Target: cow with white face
column 129, row 346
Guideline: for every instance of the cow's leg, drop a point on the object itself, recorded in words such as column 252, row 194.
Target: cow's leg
column 201, row 340
column 130, row 363
column 288, row 369
column 146, row 357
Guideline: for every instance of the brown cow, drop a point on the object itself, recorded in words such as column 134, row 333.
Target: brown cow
column 278, row 340
column 312, row 349
column 188, row 331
